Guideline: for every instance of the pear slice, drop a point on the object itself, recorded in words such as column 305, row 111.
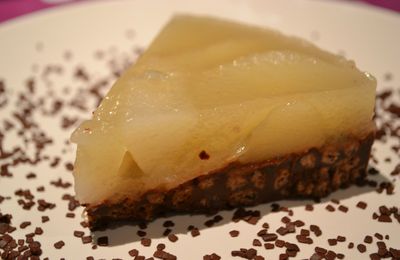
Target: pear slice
column 210, row 95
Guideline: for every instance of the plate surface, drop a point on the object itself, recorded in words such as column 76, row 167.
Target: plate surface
column 70, row 55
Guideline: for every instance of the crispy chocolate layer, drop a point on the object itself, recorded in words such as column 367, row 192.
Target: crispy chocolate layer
column 312, row 174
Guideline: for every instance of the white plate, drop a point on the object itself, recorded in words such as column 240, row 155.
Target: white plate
column 368, row 35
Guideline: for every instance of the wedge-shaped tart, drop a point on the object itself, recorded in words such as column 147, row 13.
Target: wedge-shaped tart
column 216, row 115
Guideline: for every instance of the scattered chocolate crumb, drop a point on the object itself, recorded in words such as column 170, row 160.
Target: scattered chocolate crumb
column 168, row 224
column 195, row 232
column 86, row 239
column 265, row 225
column 256, row 242
column 361, row 205
column 394, row 109
column 81, row 74
column 84, row 224
column 6, row 218
column 190, row 227
column 332, row 242
column 384, row 218
column 320, row 250
column 299, row 223
column 164, row 255
column 268, row 237
column 343, row 208
column 316, row 230
column 275, row 207
column 70, row 215
column 378, row 236
column 279, row 243
column 304, row 232
column 35, row 248
column 361, row 248
column 166, row 232
column 102, row 241
column 59, row 244
column 133, row 252
column 59, row 183
column 341, row 238
column 304, row 239
column 173, row 238
column 245, row 253
column 309, row 207
column 368, row 239
column 234, row 233
column 141, row 233
column 330, row 255
column 209, row 223
column 79, row 233
column 161, row 246
column 44, row 205
column 250, row 216
column 396, row 170
column 69, row 166
column 269, row 246
column 336, row 201
column 31, row 175
column 285, row 220
column 25, row 224
column 218, row 218
column 282, row 231
column 395, row 253
column 213, row 256
column 330, row 208
column 38, row 231
column 145, row 242
column 142, row 225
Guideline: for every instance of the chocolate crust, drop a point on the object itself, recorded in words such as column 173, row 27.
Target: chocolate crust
column 312, row 174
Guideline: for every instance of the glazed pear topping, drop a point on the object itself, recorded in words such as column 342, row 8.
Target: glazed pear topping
column 209, row 92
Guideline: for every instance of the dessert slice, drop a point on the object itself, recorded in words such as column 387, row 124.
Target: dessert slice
column 217, row 114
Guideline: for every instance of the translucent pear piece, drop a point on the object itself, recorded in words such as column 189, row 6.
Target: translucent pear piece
column 235, row 92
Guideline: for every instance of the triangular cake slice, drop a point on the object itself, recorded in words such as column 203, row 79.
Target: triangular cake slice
column 216, row 115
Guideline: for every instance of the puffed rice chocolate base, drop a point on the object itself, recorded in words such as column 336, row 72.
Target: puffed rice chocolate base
column 312, row 174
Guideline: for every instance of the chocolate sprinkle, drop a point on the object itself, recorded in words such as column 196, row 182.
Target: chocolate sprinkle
column 173, row 238
column 234, row 233
column 361, row 248
column 362, row 205
column 213, row 256
column 195, row 232
column 102, row 241
column 59, row 244
column 79, row 233
column 133, row 252
column 145, row 242
column 86, row 239
column 368, row 239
